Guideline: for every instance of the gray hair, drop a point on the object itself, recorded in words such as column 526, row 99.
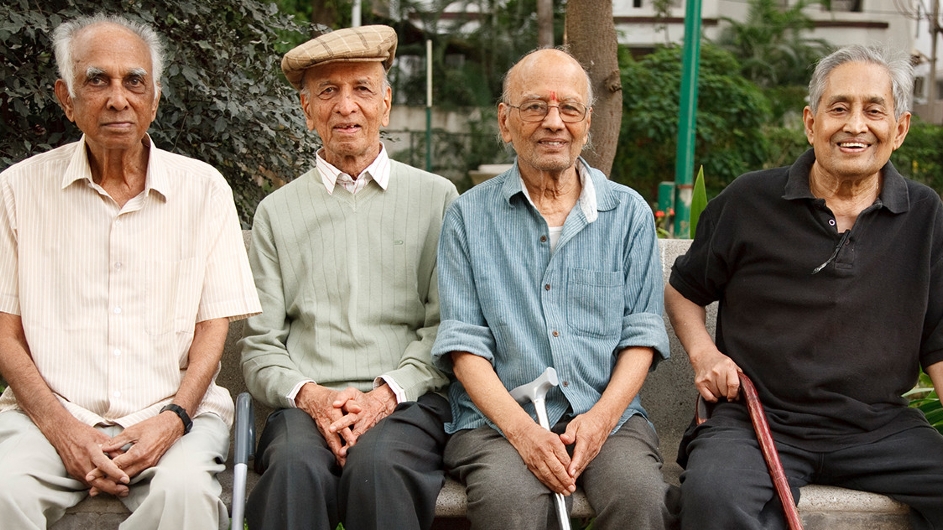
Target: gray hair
column 505, row 95
column 64, row 35
column 897, row 65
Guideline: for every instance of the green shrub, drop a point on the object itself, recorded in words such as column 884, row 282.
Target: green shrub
column 731, row 113
column 923, row 397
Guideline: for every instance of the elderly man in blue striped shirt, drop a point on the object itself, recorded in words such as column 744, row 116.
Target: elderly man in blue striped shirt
column 551, row 264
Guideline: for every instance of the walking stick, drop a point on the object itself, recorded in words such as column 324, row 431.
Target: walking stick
column 770, row 455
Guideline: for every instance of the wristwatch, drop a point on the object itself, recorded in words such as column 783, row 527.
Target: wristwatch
column 182, row 414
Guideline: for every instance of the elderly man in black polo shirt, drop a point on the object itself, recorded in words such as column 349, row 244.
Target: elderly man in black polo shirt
column 829, row 274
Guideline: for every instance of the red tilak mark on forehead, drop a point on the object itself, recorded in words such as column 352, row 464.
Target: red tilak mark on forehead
column 553, row 95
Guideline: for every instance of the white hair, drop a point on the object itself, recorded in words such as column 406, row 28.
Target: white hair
column 897, row 65
column 64, row 36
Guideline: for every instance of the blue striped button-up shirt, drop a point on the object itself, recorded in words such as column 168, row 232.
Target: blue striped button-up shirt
column 506, row 297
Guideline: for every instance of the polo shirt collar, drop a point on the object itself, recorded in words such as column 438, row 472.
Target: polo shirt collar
column 894, row 194
column 156, row 178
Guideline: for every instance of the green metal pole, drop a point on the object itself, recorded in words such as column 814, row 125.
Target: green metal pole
column 684, row 161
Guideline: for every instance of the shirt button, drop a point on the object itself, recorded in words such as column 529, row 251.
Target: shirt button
column 566, row 383
column 831, row 222
column 118, row 265
column 556, row 333
column 547, row 287
column 117, row 352
column 543, row 239
column 117, row 310
column 117, row 394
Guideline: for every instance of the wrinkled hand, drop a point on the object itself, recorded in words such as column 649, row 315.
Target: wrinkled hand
column 589, row 432
column 716, row 375
column 545, row 456
column 362, row 410
column 148, row 441
column 318, row 402
column 81, row 448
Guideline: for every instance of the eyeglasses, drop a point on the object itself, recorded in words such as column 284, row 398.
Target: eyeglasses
column 536, row 111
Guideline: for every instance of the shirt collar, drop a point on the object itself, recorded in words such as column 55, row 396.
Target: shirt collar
column 378, row 170
column 594, row 197
column 894, row 195
column 155, row 179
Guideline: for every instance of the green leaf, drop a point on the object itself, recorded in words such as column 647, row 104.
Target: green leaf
column 698, row 200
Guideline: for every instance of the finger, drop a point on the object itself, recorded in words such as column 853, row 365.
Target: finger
column 122, row 439
column 583, row 454
column 557, row 464
column 134, row 461
column 109, row 486
column 348, row 394
column 361, row 427
column 346, row 421
column 353, row 407
column 577, row 463
column 94, row 474
column 349, row 437
column 707, row 394
column 334, row 444
column 569, row 435
column 553, row 479
column 733, row 384
column 107, row 468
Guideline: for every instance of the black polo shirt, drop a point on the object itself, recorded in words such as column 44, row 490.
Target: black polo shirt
column 832, row 352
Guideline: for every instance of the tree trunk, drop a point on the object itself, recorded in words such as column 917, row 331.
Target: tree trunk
column 545, row 23
column 323, row 12
column 591, row 35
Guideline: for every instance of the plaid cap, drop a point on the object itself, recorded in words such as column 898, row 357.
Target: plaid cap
column 361, row 44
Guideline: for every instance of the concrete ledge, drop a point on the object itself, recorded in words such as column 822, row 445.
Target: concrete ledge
column 828, row 507
column 821, row 508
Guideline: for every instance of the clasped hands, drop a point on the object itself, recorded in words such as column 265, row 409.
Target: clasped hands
column 342, row 416
column 107, row 464
column 546, row 455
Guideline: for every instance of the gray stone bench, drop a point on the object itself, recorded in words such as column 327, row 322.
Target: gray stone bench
column 669, row 397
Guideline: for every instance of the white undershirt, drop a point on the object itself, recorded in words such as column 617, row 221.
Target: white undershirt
column 555, row 232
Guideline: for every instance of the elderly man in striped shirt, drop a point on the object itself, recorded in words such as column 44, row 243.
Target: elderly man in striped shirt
column 551, row 265
column 121, row 266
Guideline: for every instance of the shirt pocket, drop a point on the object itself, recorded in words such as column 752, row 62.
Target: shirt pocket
column 171, row 295
column 595, row 302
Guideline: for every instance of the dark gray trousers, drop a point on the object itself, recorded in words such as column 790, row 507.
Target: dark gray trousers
column 726, row 485
column 623, row 483
column 391, row 480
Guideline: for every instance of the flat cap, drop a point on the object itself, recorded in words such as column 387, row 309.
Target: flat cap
column 361, row 44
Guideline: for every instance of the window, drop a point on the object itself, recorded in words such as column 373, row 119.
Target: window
column 919, row 88
column 848, row 6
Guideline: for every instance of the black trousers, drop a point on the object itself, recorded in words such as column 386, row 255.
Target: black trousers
column 391, row 479
column 726, row 485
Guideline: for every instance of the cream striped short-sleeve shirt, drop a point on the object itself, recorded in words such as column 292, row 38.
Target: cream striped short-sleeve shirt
column 109, row 296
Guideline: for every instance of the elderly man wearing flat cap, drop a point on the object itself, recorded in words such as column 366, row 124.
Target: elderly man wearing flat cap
column 344, row 259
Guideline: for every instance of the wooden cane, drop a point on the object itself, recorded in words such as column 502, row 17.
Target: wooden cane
column 770, row 455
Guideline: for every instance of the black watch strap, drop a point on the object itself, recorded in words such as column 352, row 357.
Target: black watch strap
column 182, row 414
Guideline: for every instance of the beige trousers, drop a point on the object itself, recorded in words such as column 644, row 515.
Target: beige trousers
column 180, row 492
